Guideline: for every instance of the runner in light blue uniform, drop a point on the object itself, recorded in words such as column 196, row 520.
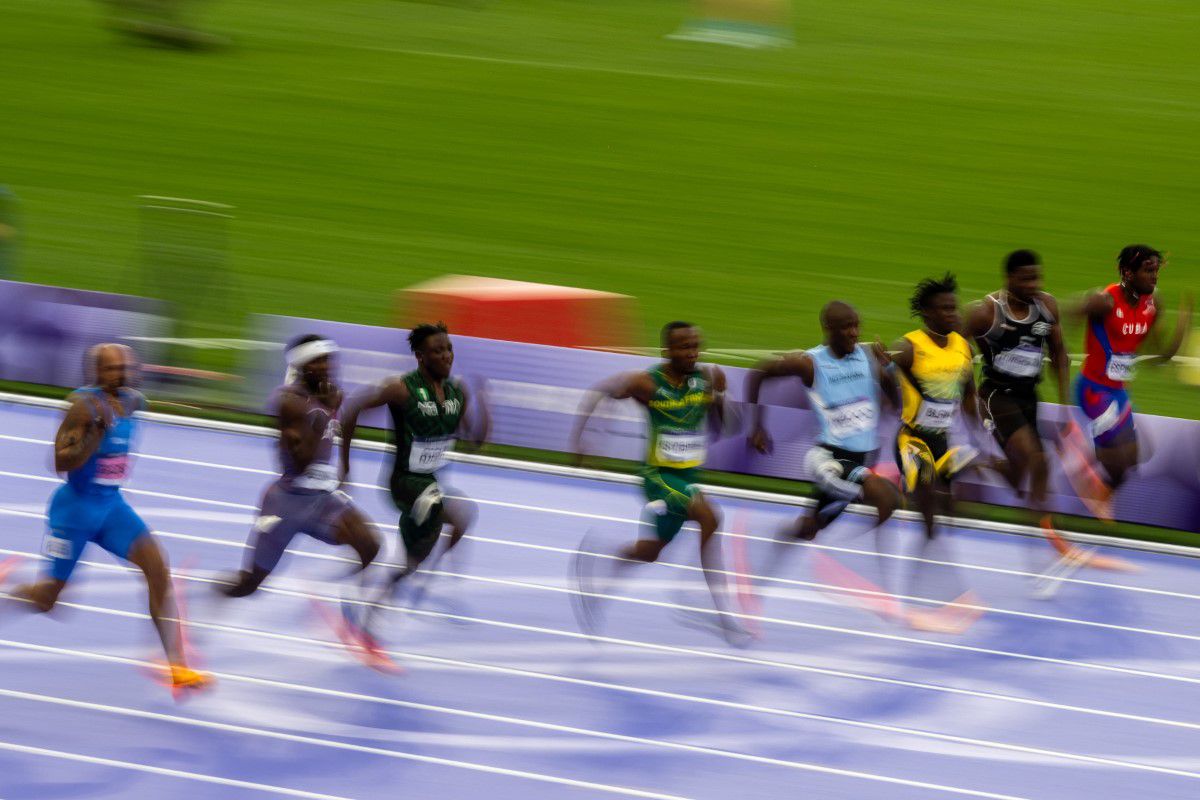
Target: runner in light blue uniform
column 92, row 447
column 845, row 384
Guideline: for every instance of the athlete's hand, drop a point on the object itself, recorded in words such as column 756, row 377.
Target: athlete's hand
column 881, row 352
column 760, row 440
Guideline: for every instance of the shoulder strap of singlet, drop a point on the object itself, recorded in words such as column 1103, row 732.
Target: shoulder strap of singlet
column 999, row 314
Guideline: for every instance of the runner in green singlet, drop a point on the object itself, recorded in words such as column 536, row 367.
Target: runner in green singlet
column 428, row 409
column 680, row 398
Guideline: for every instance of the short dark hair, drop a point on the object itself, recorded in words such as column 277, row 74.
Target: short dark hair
column 928, row 289
column 670, row 328
column 305, row 339
column 1134, row 255
column 1020, row 258
column 418, row 335
column 832, row 306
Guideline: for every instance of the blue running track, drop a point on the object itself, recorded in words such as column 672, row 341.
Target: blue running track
column 1093, row 693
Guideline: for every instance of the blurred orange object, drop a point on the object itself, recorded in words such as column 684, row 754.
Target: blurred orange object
column 517, row 311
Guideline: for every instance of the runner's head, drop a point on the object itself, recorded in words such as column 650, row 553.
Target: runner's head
column 431, row 345
column 111, row 366
column 841, row 324
column 308, row 359
column 935, row 301
column 681, row 346
column 1139, row 265
column 1023, row 270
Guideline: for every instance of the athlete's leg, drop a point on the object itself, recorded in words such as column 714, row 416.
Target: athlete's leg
column 146, row 555
column 353, row 529
column 1118, row 459
column 41, row 595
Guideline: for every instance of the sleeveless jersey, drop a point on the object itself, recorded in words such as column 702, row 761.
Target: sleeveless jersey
column 845, row 395
column 931, row 404
column 424, row 428
column 1112, row 343
column 108, row 468
column 321, row 472
column 1012, row 348
column 678, row 417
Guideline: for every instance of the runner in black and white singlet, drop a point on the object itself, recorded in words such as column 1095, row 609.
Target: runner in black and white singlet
column 1014, row 329
column 305, row 498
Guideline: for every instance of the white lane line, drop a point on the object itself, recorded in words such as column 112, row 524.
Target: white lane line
column 347, row 746
column 173, row 773
column 822, row 671
column 683, row 567
column 633, row 522
column 666, row 744
column 562, row 66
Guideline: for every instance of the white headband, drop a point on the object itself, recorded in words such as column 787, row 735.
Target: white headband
column 301, row 354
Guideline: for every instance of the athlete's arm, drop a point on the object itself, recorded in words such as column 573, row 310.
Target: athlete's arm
column 469, row 410
column 636, row 385
column 391, row 391
column 1095, row 305
column 1059, row 360
column 798, row 365
column 1183, row 325
column 716, row 377
column 79, row 435
column 980, row 317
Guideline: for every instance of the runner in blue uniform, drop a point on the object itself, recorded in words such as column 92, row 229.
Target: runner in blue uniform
column 92, row 447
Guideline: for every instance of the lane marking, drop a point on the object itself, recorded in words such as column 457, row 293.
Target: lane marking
column 173, row 773
column 636, row 644
column 523, row 722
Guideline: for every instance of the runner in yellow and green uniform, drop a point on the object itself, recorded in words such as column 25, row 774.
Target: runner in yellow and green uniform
column 680, row 399
column 937, row 381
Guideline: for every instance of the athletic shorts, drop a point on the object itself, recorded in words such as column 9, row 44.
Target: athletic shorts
column 1109, row 411
column 77, row 518
column 418, row 497
column 839, row 476
column 926, row 457
column 669, row 494
column 286, row 512
column 1008, row 410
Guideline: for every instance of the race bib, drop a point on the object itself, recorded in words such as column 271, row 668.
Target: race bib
column 1024, row 361
column 54, row 546
column 429, row 455
column 850, row 419
column 1120, row 367
column 322, row 477
column 936, row 415
column 681, row 448
column 112, row 470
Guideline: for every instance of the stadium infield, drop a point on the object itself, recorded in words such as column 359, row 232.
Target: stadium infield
column 386, row 142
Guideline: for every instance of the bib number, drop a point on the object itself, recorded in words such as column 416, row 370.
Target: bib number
column 681, row 448
column 1020, row 362
column 1120, row 367
column 54, row 546
column 112, row 470
column 850, row 419
column 429, row 455
column 936, row 415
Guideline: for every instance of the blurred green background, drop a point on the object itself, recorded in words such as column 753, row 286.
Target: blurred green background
column 371, row 144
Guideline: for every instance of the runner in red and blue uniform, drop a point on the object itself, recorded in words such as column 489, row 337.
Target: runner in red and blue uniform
column 1120, row 318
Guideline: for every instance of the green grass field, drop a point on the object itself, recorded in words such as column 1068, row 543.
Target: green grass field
column 371, row 144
